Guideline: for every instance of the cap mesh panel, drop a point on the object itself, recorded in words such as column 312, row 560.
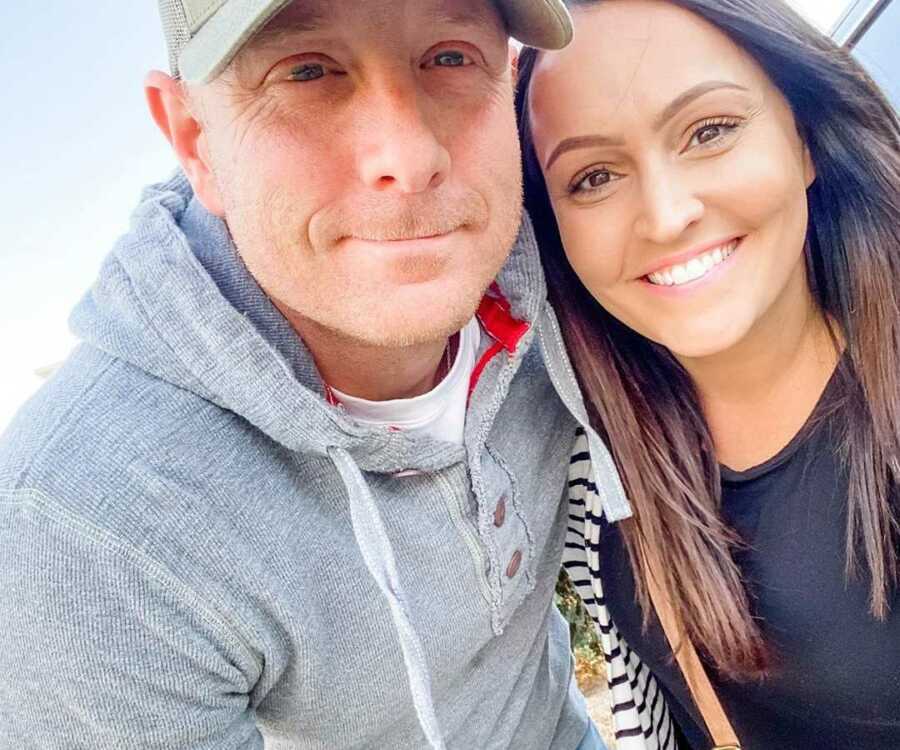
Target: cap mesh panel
column 176, row 30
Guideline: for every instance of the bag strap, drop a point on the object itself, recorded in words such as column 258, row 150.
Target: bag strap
column 702, row 691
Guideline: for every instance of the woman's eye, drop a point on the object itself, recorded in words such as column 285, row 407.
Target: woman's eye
column 708, row 134
column 592, row 181
column 307, row 72
column 448, row 59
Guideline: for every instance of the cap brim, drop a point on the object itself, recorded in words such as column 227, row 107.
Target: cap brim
column 222, row 36
column 537, row 23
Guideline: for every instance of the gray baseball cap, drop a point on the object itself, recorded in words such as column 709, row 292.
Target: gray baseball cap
column 204, row 35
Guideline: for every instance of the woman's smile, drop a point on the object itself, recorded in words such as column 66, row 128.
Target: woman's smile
column 696, row 266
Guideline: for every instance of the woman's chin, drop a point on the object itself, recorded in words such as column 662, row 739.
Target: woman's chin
column 700, row 341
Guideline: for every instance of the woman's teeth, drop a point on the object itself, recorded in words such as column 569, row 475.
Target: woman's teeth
column 695, row 268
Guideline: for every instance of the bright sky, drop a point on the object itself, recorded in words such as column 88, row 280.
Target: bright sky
column 76, row 145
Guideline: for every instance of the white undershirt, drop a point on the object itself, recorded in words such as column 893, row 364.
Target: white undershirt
column 440, row 413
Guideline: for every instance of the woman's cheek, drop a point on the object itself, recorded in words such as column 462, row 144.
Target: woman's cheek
column 763, row 177
column 593, row 250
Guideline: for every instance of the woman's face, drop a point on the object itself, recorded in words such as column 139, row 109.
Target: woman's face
column 676, row 174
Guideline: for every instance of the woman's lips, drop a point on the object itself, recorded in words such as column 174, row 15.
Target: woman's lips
column 694, row 269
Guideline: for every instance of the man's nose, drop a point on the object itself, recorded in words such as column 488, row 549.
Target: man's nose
column 401, row 150
column 669, row 206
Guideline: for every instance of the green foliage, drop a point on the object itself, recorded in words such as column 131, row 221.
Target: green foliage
column 581, row 627
column 590, row 667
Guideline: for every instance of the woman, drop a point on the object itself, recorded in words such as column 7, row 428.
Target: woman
column 714, row 187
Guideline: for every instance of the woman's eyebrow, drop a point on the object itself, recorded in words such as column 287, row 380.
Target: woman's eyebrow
column 695, row 92
column 581, row 141
column 670, row 110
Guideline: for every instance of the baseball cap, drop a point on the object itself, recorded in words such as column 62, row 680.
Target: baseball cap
column 204, row 35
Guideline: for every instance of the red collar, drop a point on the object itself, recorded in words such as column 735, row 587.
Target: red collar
column 497, row 322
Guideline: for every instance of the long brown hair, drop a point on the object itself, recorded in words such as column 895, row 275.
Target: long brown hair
column 646, row 405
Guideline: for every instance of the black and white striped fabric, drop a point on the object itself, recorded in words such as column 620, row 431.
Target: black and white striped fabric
column 641, row 717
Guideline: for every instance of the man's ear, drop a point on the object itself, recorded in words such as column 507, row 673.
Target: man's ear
column 514, row 60
column 172, row 112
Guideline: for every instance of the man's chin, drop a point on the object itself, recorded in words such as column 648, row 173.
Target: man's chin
column 413, row 319
column 407, row 263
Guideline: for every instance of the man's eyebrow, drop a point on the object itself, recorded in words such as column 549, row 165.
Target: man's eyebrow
column 461, row 17
column 276, row 34
column 273, row 33
column 671, row 109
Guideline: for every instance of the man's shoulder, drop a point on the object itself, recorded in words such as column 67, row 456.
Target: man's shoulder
column 111, row 462
column 100, row 409
column 106, row 441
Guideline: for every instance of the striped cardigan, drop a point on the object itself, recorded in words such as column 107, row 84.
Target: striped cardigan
column 641, row 717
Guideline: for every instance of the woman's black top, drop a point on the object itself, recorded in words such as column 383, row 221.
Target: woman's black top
column 836, row 683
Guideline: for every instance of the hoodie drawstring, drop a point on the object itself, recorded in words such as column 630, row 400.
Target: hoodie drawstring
column 372, row 540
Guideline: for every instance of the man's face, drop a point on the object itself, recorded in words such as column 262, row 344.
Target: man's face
column 365, row 157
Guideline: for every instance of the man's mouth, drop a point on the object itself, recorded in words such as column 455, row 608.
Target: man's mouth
column 404, row 238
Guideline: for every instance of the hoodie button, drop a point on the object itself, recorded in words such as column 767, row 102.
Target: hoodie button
column 514, row 564
column 500, row 513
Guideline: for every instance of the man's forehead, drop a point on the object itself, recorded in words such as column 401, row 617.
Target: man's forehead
column 316, row 15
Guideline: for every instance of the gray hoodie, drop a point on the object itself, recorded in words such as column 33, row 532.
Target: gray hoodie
column 198, row 551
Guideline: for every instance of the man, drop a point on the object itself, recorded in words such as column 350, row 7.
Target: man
column 292, row 486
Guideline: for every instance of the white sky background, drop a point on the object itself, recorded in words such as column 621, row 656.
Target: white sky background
column 76, row 146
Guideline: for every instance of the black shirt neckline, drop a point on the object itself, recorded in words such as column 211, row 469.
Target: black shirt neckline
column 822, row 409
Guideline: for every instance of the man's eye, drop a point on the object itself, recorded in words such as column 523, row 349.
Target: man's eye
column 449, row 59
column 307, row 72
